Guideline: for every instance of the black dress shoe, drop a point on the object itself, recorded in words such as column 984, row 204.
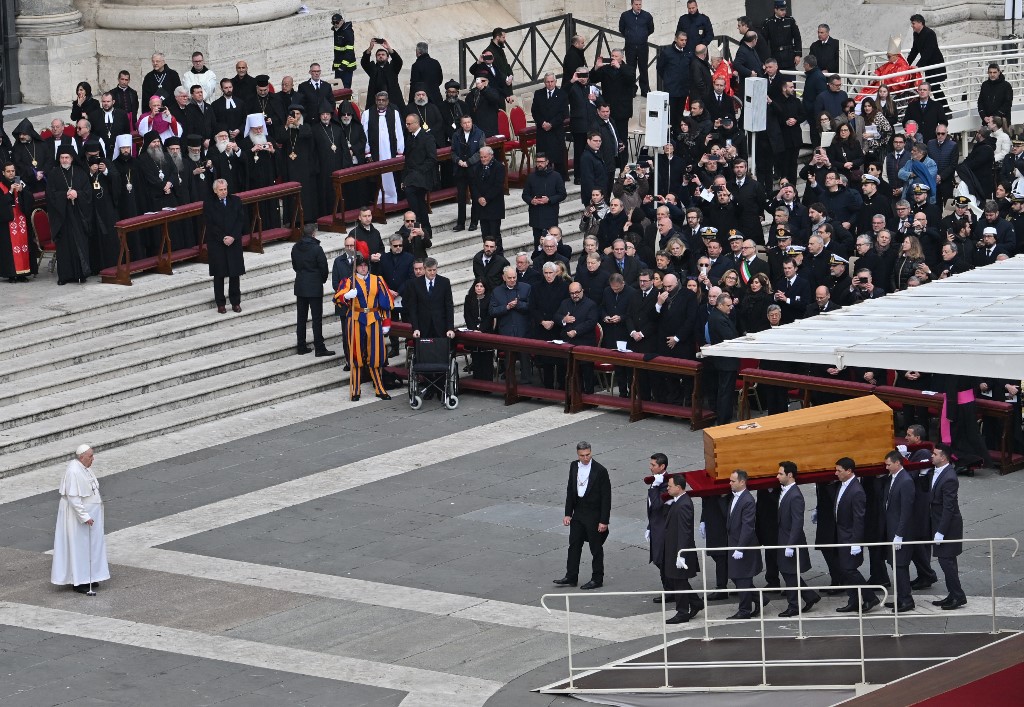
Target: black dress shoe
column 694, row 610
column 955, row 604
column 392, row 352
column 909, row 606
column 964, row 471
column 788, row 613
column 921, row 584
column 347, row 367
column 236, row 308
column 940, row 602
column 565, row 582
column 459, row 227
column 302, row 350
column 592, row 585
column 679, row 618
column 739, row 617
column 656, row 600
column 809, row 604
column 848, row 609
column 221, row 309
column 472, row 226
column 717, row 596
column 883, row 582
column 868, row 605
column 355, row 398
column 383, row 396
column 324, row 352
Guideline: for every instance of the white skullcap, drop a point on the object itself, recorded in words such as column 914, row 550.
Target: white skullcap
column 254, row 120
column 122, row 141
column 82, row 449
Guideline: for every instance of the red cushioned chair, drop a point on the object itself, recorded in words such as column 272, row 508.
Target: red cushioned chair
column 748, row 363
column 511, row 143
column 518, row 119
column 41, row 225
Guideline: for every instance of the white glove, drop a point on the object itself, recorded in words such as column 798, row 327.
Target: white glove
column 814, row 516
column 855, row 550
column 680, row 563
column 385, row 330
column 897, row 542
column 737, row 554
column 659, row 479
column 902, row 449
column 789, row 552
column 939, row 537
column 647, row 535
column 701, row 528
column 351, row 294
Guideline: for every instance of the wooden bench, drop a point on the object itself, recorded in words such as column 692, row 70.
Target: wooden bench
column 638, row 408
column 340, row 215
column 121, row 274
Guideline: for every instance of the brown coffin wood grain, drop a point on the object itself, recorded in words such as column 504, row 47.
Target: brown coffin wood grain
column 814, row 438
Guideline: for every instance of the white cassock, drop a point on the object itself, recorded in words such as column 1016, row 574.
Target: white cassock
column 74, row 542
column 384, row 144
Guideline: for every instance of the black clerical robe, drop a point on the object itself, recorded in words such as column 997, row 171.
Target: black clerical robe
column 70, row 221
column 299, row 163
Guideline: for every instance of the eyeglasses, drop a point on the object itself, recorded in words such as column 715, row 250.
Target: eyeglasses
column 937, row 133
column 410, row 220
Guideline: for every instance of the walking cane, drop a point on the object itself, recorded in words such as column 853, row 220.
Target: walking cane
column 90, row 593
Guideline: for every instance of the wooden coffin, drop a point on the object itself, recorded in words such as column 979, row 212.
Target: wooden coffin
column 814, row 438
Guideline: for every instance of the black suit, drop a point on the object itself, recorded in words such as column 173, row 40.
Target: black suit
column 488, row 182
column 225, row 260
column 927, row 118
column 827, row 53
column 491, row 272
column 200, row 122
column 311, row 98
column 418, row 176
column 552, row 110
column 465, row 149
column 586, row 512
column 798, row 295
column 740, row 525
column 899, row 523
column 675, row 318
column 945, row 519
column 630, row 270
column 791, row 532
column 721, row 328
column 850, row 509
column 310, row 265
column 432, row 312
column 678, row 535
column 642, row 318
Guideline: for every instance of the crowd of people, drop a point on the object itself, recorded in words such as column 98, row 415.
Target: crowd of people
column 702, row 253
column 916, row 511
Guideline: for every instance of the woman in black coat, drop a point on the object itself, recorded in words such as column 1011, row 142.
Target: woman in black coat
column 754, row 305
column 84, row 103
column 474, row 309
column 845, row 152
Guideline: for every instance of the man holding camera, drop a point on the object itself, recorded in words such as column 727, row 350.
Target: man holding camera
column 383, row 73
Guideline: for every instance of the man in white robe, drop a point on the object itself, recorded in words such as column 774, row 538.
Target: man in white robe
column 379, row 137
column 79, row 548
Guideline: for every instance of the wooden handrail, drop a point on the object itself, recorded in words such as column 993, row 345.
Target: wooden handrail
column 394, row 165
column 163, row 219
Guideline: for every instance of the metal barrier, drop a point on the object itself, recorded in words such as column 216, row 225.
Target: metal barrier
column 764, row 663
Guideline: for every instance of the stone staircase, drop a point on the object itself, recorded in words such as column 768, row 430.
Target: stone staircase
column 117, row 365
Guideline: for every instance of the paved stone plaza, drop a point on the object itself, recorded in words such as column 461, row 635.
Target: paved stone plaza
column 334, row 553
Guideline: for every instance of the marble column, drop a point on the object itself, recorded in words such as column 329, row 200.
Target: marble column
column 55, row 52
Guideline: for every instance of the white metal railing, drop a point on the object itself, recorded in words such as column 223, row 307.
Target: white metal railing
column 952, row 52
column 764, row 663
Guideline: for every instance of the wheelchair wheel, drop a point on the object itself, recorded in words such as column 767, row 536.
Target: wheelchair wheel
column 451, row 402
column 416, row 402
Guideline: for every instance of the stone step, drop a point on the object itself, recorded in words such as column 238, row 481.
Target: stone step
column 54, row 451
column 153, row 369
column 114, row 411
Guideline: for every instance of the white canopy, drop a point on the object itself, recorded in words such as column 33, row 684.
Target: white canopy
column 971, row 324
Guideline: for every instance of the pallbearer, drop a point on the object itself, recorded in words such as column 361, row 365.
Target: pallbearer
column 680, row 567
column 791, row 532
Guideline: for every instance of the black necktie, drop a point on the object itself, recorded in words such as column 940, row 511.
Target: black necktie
column 550, row 94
